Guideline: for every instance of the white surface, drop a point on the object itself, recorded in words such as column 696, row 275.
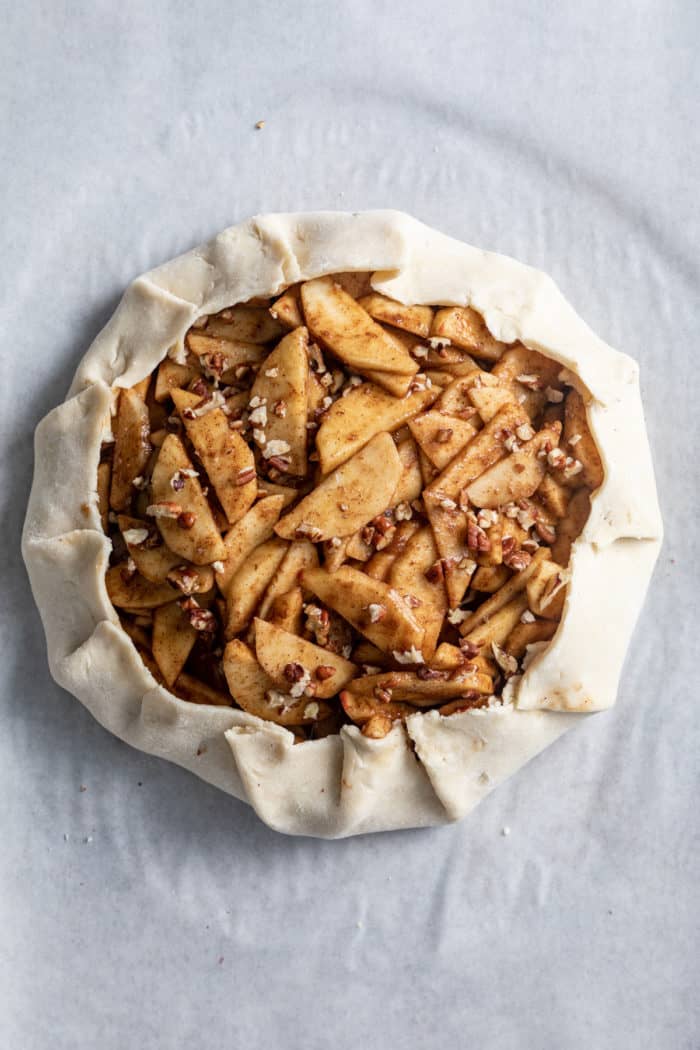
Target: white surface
column 568, row 140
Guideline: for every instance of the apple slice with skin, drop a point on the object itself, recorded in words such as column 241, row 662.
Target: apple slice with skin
column 349, row 497
column 226, row 457
column 201, row 543
column 246, row 589
column 366, row 411
column 277, row 649
column 335, row 319
column 256, row 692
column 132, row 448
column 173, row 640
column 282, row 385
column 351, row 593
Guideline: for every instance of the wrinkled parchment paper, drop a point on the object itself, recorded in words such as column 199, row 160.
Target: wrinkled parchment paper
column 142, row 908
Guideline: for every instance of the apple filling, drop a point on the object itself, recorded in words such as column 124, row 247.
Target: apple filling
column 333, row 508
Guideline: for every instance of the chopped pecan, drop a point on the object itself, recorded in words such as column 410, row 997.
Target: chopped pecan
column 185, row 578
column 431, row 674
column 244, row 476
column 199, row 618
column 382, row 693
column 545, row 532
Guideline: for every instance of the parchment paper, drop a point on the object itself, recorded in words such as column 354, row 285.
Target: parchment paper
column 140, row 907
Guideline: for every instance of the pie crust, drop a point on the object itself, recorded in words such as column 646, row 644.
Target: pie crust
column 433, row 769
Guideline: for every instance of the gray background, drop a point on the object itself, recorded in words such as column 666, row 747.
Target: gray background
column 149, row 910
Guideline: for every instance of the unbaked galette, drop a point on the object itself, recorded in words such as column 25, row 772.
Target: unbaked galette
column 348, row 517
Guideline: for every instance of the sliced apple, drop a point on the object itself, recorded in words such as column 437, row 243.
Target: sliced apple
column 524, row 634
column 253, row 529
column 465, row 328
column 247, row 587
column 395, row 383
column 281, row 388
column 173, row 639
column 490, row 578
column 546, row 589
column 132, row 448
column 408, row 577
column 485, row 449
column 104, row 478
column 316, row 394
column 513, row 587
column 300, row 555
column 553, row 496
column 226, row 457
column 389, row 624
column 339, row 323
column 172, row 376
column 256, row 692
column 349, row 496
column 132, row 591
column 201, row 542
column 410, row 483
column 416, row 319
column 441, row 436
column 570, row 527
column 518, row 475
column 362, row 709
column 156, row 563
column 496, row 629
column 222, row 357
column 442, row 497
column 286, row 610
column 366, row 411
column 276, row 650
column 271, row 488
column 582, row 447
column 518, row 361
column 287, row 309
column 247, row 324
column 422, row 691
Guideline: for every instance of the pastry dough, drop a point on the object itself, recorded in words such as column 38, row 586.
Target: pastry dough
column 344, row 784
